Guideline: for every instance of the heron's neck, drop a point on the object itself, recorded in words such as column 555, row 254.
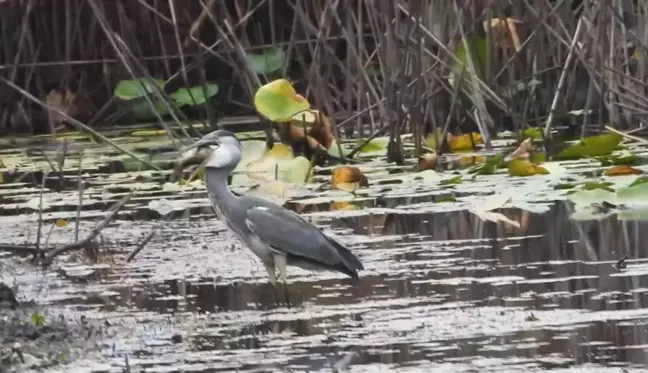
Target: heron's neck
column 216, row 180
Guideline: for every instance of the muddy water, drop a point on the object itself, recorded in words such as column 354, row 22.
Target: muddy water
column 441, row 291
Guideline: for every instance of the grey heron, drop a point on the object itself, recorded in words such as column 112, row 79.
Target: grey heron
column 277, row 236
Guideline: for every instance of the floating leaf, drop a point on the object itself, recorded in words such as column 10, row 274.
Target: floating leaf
column 143, row 111
column 619, row 157
column 523, row 167
column 592, row 146
column 639, row 180
column 375, row 145
column 348, row 178
column 195, row 95
column 464, row 142
column 61, row 223
column 593, row 185
column 622, row 170
column 278, row 101
column 280, row 151
column 446, row 199
column 634, row 194
column 134, row 88
column 269, row 61
column 453, row 180
column 37, row 319
column 534, row 133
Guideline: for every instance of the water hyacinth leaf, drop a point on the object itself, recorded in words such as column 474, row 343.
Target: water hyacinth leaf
column 279, row 102
column 135, row 88
column 267, row 62
column 195, row 95
column 523, row 167
column 593, row 146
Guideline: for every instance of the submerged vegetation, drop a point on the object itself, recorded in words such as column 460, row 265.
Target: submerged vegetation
column 484, row 161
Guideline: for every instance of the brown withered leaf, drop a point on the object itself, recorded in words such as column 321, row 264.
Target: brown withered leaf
column 504, row 32
column 348, row 178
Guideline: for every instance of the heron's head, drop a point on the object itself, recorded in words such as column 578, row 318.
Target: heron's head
column 225, row 148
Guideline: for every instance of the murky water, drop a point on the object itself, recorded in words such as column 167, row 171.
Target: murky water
column 443, row 290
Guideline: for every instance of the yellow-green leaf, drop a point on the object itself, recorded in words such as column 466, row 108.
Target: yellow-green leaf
column 278, row 101
column 61, row 223
column 523, row 167
column 593, row 146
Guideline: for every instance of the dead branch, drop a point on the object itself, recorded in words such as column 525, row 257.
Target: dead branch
column 46, row 255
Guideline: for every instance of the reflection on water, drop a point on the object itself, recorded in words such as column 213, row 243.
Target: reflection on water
column 441, row 290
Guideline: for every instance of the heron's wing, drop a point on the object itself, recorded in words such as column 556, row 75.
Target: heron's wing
column 287, row 232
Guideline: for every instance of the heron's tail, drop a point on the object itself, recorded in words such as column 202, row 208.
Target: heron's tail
column 349, row 260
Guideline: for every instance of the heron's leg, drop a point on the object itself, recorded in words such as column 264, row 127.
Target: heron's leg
column 281, row 262
column 270, row 268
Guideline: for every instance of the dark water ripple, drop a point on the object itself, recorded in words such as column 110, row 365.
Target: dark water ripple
column 442, row 292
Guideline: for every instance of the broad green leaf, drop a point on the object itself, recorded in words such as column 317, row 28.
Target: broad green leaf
column 522, row 167
column 478, row 52
column 134, row 88
column 637, row 193
column 195, row 95
column 532, row 132
column 618, row 157
column 640, row 180
column 593, row 185
column 453, row 180
column 375, row 145
column 269, row 61
column 593, row 146
column 278, row 101
column 143, row 111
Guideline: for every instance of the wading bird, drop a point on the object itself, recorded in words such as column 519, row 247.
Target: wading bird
column 277, row 236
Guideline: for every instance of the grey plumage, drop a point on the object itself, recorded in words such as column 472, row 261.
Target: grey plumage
column 277, row 236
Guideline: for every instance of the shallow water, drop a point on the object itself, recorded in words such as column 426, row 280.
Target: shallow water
column 443, row 290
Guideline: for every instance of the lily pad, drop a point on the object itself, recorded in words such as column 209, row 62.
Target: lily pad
column 279, row 102
column 135, row 88
column 523, row 167
column 593, row 146
column 269, row 61
column 195, row 95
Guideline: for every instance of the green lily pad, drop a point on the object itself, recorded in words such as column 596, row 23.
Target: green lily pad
column 135, row 88
column 143, row 110
column 640, row 180
column 278, row 101
column 593, row 146
column 593, row 185
column 375, row 145
column 195, row 95
column 452, row 181
column 269, row 61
